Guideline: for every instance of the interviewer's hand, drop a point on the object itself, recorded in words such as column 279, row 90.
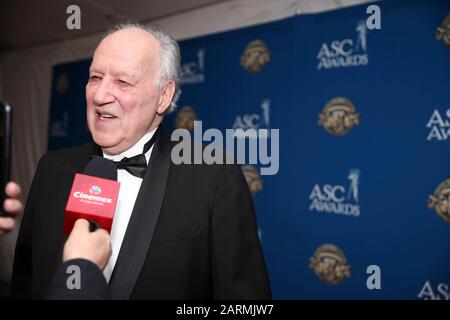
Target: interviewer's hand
column 92, row 246
column 12, row 206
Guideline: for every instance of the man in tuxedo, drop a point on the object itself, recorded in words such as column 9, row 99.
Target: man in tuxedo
column 179, row 231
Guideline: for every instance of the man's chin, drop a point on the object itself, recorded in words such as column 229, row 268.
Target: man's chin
column 106, row 143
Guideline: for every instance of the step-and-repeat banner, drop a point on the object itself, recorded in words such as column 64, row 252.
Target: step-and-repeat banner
column 359, row 207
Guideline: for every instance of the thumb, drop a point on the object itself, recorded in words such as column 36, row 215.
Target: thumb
column 80, row 226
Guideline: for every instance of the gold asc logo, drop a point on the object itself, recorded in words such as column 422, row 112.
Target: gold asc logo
column 339, row 116
column 330, row 264
column 253, row 178
column 255, row 56
column 443, row 32
column 440, row 200
column 185, row 118
column 62, row 83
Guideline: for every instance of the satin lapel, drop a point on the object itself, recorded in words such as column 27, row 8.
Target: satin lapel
column 144, row 218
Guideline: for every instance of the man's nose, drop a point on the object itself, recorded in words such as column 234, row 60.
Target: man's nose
column 103, row 94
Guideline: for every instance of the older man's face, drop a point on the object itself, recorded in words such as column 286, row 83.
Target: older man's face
column 122, row 95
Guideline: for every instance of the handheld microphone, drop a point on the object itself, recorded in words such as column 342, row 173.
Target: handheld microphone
column 5, row 149
column 93, row 196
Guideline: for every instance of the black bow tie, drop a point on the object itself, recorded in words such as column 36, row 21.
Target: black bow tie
column 137, row 165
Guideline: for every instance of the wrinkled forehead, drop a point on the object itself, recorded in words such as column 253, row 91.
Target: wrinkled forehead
column 127, row 51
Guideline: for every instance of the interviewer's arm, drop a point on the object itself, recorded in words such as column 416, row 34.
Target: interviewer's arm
column 80, row 276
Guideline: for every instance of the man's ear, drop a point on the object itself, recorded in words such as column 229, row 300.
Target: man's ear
column 166, row 97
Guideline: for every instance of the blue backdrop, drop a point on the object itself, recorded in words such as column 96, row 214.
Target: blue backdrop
column 364, row 119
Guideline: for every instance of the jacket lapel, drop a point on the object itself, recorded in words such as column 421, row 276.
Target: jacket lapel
column 144, row 218
column 77, row 165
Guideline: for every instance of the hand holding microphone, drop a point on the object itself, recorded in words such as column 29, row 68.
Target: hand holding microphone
column 87, row 219
column 83, row 244
column 93, row 196
column 90, row 211
column 89, row 251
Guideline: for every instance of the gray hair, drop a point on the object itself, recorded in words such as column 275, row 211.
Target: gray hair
column 169, row 67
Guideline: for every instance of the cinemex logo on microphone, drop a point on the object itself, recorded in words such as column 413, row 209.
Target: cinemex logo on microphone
column 92, row 198
column 95, row 190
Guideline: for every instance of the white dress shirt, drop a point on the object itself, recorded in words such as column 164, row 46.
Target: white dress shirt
column 129, row 188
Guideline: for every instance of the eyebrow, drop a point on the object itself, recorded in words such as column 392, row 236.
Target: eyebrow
column 127, row 76
column 93, row 69
column 119, row 74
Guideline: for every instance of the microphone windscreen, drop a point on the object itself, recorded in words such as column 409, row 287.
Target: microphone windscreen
column 102, row 168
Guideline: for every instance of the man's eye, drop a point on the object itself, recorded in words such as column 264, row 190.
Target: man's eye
column 123, row 82
column 94, row 78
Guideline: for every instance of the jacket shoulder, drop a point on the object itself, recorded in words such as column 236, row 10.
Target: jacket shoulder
column 70, row 154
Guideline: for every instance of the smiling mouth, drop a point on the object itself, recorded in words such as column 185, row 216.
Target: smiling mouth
column 105, row 116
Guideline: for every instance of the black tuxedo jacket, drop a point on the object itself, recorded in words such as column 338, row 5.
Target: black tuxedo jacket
column 192, row 233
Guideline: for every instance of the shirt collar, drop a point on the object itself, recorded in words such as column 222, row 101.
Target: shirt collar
column 134, row 150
